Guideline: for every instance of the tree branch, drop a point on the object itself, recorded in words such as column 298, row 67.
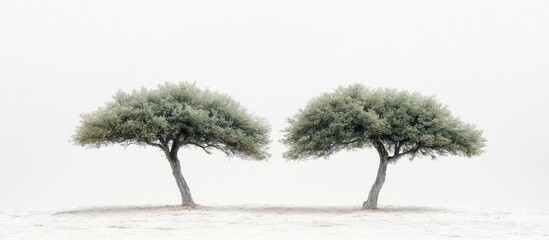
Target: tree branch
column 409, row 151
column 381, row 150
column 155, row 144
column 175, row 148
column 205, row 148
column 221, row 148
column 161, row 139
column 397, row 148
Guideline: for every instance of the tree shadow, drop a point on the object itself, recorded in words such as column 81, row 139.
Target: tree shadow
column 263, row 209
column 406, row 209
column 124, row 209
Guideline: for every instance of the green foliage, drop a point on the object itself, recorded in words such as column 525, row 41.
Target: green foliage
column 176, row 115
column 356, row 117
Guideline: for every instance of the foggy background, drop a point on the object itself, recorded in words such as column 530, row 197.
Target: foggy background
column 487, row 60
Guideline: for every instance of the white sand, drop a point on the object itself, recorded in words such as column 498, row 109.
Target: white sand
column 268, row 222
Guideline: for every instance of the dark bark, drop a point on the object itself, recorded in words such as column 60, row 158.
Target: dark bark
column 371, row 202
column 186, row 198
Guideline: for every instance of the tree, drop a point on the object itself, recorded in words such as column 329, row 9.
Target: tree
column 395, row 123
column 175, row 116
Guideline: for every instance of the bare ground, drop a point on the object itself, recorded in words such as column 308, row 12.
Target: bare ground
column 274, row 222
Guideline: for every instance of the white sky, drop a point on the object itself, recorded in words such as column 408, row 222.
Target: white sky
column 487, row 60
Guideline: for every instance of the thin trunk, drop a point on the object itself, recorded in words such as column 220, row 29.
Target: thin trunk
column 371, row 203
column 186, row 198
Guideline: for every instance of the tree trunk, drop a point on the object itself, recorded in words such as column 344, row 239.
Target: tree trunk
column 371, row 203
column 186, row 198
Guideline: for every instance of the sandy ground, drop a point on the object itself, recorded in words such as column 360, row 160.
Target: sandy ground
column 271, row 222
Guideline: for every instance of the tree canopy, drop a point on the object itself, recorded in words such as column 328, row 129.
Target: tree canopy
column 180, row 114
column 174, row 116
column 355, row 117
column 388, row 120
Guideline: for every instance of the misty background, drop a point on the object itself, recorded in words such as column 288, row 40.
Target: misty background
column 487, row 60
